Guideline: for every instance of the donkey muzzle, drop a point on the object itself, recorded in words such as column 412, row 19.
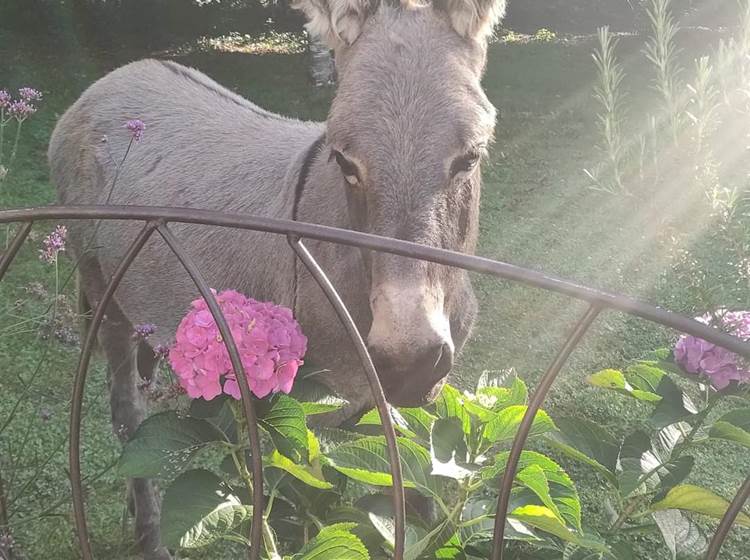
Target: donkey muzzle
column 413, row 379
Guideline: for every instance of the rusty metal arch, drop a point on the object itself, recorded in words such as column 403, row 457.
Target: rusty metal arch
column 158, row 220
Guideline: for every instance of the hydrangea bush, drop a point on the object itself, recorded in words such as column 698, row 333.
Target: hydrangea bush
column 454, row 452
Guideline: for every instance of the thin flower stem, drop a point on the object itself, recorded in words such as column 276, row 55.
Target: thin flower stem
column 109, row 196
column 270, row 542
column 238, row 457
column 57, row 290
column 30, row 381
column 2, row 131
column 15, row 144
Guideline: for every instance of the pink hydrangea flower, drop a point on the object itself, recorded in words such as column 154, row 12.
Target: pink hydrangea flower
column 269, row 340
column 719, row 365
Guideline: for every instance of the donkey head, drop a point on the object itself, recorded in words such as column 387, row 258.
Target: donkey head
column 408, row 128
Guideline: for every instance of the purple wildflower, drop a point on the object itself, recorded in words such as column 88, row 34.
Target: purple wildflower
column 136, row 128
column 719, row 365
column 142, row 332
column 21, row 110
column 45, row 414
column 5, row 99
column 161, row 352
column 53, row 244
column 29, row 94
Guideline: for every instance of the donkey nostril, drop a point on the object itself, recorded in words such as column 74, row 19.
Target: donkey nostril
column 442, row 360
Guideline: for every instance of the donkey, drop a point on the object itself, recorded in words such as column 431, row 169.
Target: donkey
column 399, row 156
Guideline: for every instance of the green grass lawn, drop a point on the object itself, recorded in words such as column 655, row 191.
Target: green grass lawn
column 538, row 210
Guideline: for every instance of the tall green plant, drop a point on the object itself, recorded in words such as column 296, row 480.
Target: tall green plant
column 609, row 94
column 661, row 50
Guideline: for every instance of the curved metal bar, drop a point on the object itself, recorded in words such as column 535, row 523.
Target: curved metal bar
column 528, row 419
column 256, row 530
column 722, row 531
column 79, row 383
column 394, row 246
column 399, row 502
column 14, row 247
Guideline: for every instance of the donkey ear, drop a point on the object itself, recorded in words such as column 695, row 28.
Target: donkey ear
column 336, row 22
column 473, row 19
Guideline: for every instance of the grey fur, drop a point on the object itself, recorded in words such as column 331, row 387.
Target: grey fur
column 409, row 103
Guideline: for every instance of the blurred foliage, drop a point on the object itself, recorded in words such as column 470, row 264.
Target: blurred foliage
column 156, row 24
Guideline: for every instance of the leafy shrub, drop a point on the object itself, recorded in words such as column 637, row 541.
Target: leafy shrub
column 326, row 486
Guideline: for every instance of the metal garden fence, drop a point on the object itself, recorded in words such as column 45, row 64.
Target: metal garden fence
column 157, row 220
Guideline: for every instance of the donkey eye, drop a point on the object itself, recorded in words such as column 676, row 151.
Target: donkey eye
column 465, row 163
column 350, row 171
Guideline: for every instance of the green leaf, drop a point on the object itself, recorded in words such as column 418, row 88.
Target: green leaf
column 199, row 509
column 372, row 418
column 494, row 378
column 451, row 550
column 415, row 423
column 284, row 420
column 334, row 542
column 316, row 398
column 164, row 444
column 473, row 407
column 695, row 499
column 683, row 538
column 588, row 442
column 650, row 377
column 478, row 524
column 615, row 380
column 477, row 520
column 674, row 472
column 498, row 398
column 495, row 391
column 378, row 510
column 561, row 487
column 366, row 460
column 641, row 455
column 675, row 405
column 545, row 520
column 450, row 404
column 431, row 541
column 645, row 377
column 635, row 460
column 449, row 450
column 419, row 421
column 733, row 426
column 533, row 478
column 203, row 409
column 302, row 473
column 506, row 422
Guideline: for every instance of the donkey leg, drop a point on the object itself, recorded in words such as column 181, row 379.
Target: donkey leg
column 128, row 411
